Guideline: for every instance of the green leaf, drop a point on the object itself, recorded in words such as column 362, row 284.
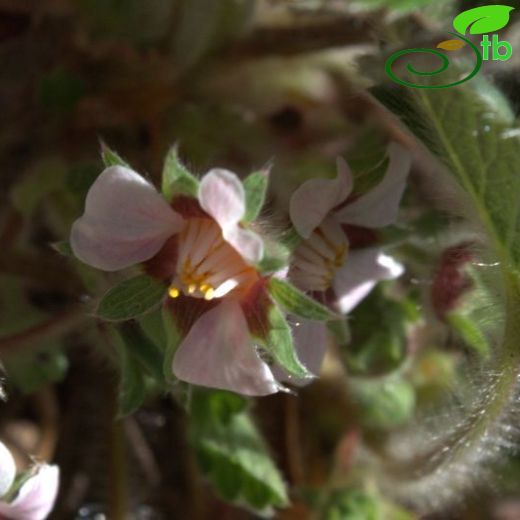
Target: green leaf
column 297, row 303
column 131, row 298
column 351, row 504
column 176, row 179
column 111, row 158
column 384, row 403
column 279, row 343
column 480, row 150
column 469, row 331
column 232, row 453
column 484, row 19
column 142, row 349
column 378, row 344
column 255, row 186
column 132, row 387
column 173, row 339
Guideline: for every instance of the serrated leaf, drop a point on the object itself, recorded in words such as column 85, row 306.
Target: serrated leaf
column 176, row 178
column 384, row 403
column 451, row 45
column 297, row 303
column 111, row 158
column 232, row 453
column 480, row 149
column 279, row 343
column 131, row 298
column 255, row 186
column 484, row 19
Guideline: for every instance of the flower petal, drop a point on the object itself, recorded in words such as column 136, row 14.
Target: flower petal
column 36, row 497
column 7, row 469
column 310, row 340
column 314, row 199
column 218, row 352
column 379, row 207
column 221, row 195
column 246, row 242
column 125, row 221
column 360, row 273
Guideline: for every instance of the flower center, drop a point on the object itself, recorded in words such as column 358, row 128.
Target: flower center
column 207, row 266
column 317, row 259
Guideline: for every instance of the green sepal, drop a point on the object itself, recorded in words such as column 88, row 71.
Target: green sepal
column 63, row 248
column 276, row 257
column 176, row 179
column 255, row 187
column 279, row 343
column 131, row 298
column 297, row 303
column 111, row 158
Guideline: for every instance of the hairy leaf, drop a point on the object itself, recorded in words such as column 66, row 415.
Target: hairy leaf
column 111, row 158
column 296, row 302
column 480, row 149
column 279, row 343
column 131, row 298
column 232, row 453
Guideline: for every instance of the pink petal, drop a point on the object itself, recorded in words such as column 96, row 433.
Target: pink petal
column 222, row 196
column 7, row 470
column 125, row 221
column 218, row 353
column 246, row 242
column 310, row 340
column 314, row 199
column 379, row 207
column 360, row 273
column 36, row 498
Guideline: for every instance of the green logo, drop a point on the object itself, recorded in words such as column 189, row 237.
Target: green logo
column 480, row 20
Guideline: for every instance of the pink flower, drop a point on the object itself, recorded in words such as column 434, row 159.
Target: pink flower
column 200, row 247
column 327, row 259
column 35, row 498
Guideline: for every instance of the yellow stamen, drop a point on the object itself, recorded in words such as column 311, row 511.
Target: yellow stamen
column 173, row 292
column 192, row 288
column 209, row 293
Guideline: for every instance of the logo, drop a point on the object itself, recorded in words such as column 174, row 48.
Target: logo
column 480, row 20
